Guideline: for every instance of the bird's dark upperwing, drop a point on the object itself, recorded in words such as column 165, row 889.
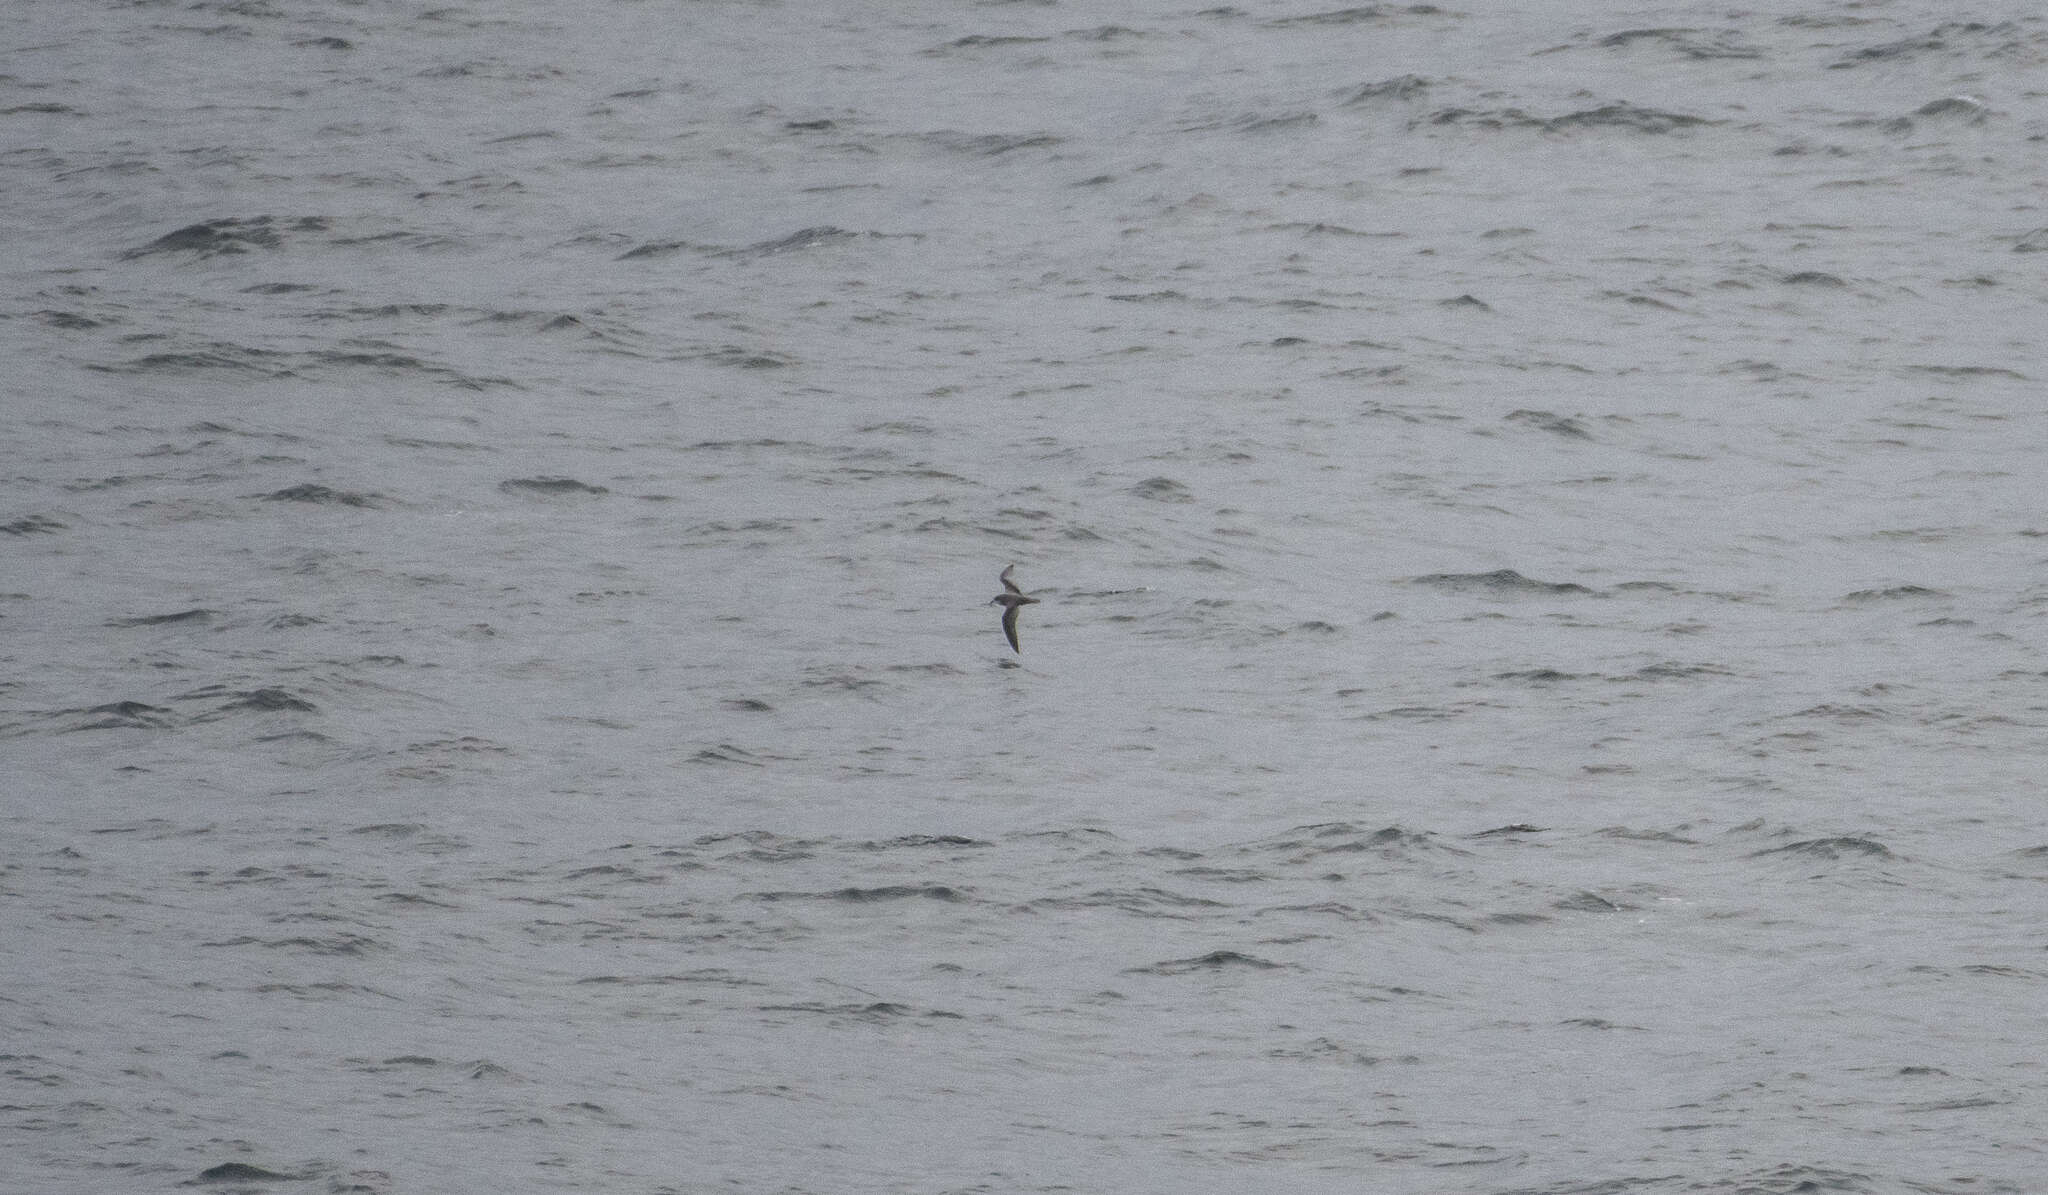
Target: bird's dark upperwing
column 1010, row 627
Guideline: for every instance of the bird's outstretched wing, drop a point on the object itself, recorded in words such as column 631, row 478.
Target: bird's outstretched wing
column 1009, row 585
column 1010, row 628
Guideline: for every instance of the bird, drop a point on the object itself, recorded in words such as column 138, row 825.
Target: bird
column 1011, row 599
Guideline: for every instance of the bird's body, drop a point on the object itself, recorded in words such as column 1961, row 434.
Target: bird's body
column 1011, row 599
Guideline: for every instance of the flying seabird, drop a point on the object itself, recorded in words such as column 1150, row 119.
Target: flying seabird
column 1011, row 599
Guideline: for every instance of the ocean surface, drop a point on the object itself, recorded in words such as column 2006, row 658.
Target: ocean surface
column 1537, row 513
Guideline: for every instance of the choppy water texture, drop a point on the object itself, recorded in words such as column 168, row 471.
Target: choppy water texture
column 1536, row 509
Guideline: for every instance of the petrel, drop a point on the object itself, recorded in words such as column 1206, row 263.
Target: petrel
column 1011, row 599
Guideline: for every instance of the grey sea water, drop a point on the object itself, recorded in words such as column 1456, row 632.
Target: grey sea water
column 1538, row 682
